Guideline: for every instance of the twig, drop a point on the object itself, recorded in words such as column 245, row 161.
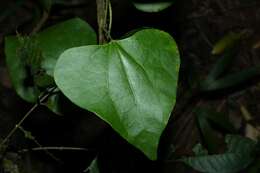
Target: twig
column 104, row 19
column 41, row 99
column 101, row 20
column 221, row 104
column 221, row 6
column 40, row 24
column 110, row 19
column 54, row 148
column 203, row 35
column 45, row 149
column 29, row 136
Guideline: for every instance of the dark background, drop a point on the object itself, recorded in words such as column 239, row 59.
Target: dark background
column 195, row 24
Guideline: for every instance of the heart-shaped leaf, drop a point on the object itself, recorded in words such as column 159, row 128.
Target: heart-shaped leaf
column 131, row 84
column 48, row 44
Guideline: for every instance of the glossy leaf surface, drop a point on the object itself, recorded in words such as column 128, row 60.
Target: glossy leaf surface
column 131, row 84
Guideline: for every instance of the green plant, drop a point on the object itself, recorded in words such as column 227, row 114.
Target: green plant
column 240, row 153
column 131, row 83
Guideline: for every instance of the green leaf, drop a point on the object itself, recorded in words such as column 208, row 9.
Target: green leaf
column 217, row 81
column 27, row 134
column 152, row 7
column 231, row 80
column 238, row 156
column 131, row 84
column 10, row 166
column 93, row 167
column 18, row 71
column 223, row 63
column 226, row 42
column 49, row 43
column 43, row 80
column 56, row 39
column 53, row 103
column 209, row 135
column 205, row 118
column 199, row 150
column 218, row 118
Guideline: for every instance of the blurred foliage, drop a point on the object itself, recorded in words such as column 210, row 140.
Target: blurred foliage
column 240, row 153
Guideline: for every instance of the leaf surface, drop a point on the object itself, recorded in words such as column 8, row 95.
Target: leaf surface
column 131, row 84
column 49, row 44
column 238, row 156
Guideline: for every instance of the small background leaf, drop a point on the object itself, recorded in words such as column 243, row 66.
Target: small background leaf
column 50, row 43
column 239, row 155
column 208, row 117
column 217, row 80
column 231, row 80
column 209, row 135
column 226, row 42
column 152, row 7
column 220, row 119
column 56, row 39
column 93, row 167
column 199, row 150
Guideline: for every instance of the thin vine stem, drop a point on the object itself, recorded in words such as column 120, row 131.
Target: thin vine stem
column 39, row 145
column 110, row 19
column 104, row 19
column 44, row 18
column 41, row 99
column 54, row 148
